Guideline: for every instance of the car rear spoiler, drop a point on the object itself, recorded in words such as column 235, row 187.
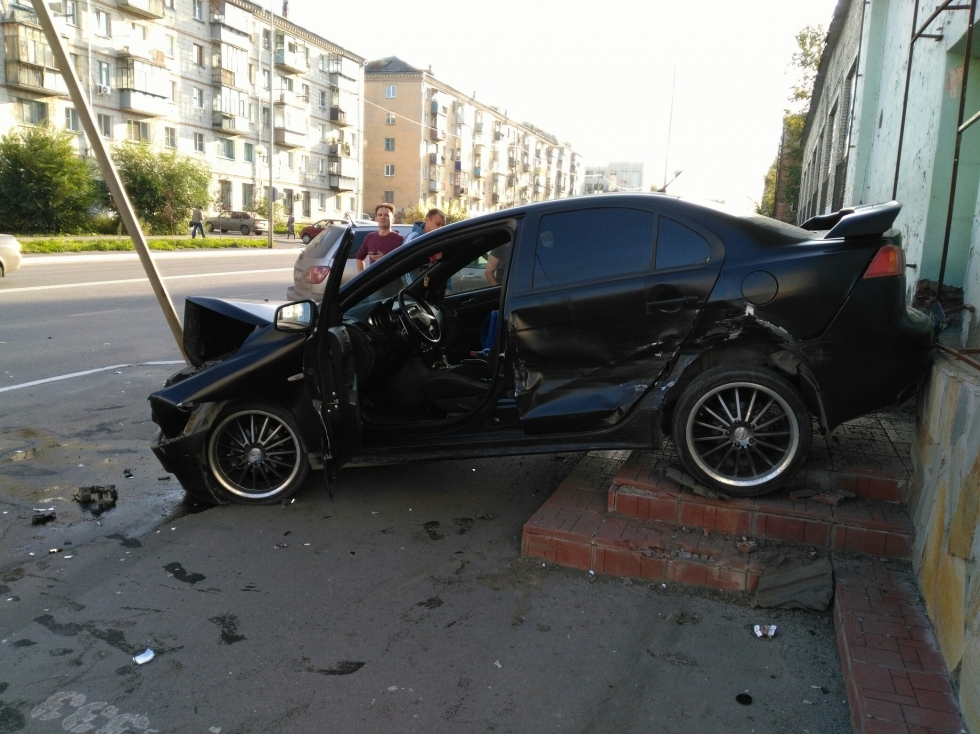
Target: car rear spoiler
column 870, row 220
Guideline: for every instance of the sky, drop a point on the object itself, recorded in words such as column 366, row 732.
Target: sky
column 600, row 75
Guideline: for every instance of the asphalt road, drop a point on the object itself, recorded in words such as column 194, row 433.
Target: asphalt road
column 400, row 604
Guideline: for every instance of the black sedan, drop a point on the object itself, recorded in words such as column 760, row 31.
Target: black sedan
column 601, row 323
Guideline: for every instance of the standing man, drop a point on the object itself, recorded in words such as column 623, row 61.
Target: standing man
column 378, row 244
column 197, row 223
column 433, row 220
column 291, row 226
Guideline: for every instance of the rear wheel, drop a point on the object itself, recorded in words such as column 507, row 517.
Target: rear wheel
column 306, row 239
column 255, row 454
column 742, row 430
column 245, row 230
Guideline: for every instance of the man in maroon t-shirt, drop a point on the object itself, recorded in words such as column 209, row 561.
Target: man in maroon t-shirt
column 378, row 244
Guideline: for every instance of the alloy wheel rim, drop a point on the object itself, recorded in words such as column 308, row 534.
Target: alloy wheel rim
column 743, row 434
column 254, row 454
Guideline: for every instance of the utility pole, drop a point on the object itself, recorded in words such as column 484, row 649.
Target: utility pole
column 109, row 172
column 270, row 199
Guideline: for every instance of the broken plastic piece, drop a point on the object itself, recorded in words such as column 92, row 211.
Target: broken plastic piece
column 828, row 499
column 42, row 516
column 54, row 550
column 100, row 498
column 764, row 630
column 127, row 473
column 144, row 657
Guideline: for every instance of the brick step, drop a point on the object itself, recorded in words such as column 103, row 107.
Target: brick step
column 856, row 526
column 643, row 470
column 573, row 529
column 895, row 674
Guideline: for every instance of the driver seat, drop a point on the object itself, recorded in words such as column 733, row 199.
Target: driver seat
column 452, row 391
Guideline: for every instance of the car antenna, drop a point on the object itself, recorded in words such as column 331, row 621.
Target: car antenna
column 350, row 219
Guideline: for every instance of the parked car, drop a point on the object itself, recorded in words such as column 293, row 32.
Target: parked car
column 9, row 254
column 316, row 259
column 243, row 222
column 619, row 319
column 312, row 230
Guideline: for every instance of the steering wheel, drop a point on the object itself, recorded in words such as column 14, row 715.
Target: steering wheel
column 419, row 317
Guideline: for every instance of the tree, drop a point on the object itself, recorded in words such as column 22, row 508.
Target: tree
column 260, row 208
column 163, row 187
column 454, row 211
column 781, row 187
column 45, row 186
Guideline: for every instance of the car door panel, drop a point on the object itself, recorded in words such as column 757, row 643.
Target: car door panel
column 585, row 352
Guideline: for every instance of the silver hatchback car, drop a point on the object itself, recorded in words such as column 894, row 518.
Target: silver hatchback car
column 316, row 259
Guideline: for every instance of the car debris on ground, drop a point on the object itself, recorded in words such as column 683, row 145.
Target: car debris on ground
column 765, row 630
column 98, row 497
column 42, row 517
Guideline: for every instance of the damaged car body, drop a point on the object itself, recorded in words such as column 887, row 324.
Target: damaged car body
column 602, row 323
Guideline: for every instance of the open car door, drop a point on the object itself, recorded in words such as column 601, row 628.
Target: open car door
column 330, row 358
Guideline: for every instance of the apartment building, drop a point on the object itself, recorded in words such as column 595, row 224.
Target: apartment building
column 427, row 142
column 618, row 176
column 195, row 77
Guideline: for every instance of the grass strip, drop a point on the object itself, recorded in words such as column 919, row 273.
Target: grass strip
column 67, row 244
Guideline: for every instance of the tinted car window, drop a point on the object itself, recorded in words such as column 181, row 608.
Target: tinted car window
column 592, row 244
column 324, row 242
column 678, row 245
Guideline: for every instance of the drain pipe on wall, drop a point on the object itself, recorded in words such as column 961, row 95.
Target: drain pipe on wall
column 109, row 172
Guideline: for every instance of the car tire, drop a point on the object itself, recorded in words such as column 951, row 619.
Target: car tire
column 306, row 239
column 254, row 454
column 223, row 231
column 209, row 227
column 716, row 430
column 245, row 230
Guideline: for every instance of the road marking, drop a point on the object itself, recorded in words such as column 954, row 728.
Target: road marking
column 40, row 259
column 140, row 280
column 86, row 372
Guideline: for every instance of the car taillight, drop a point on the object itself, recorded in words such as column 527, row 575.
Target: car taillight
column 316, row 274
column 890, row 260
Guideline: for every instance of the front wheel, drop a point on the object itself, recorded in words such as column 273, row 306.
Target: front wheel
column 209, row 227
column 255, row 455
column 742, row 430
column 245, row 230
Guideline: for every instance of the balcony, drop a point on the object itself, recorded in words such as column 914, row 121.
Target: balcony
column 477, row 127
column 477, row 172
column 143, row 8
column 141, row 50
column 222, row 78
column 436, row 186
column 222, row 33
column 437, row 133
column 339, row 149
column 37, row 79
column 497, row 136
column 293, row 99
column 341, row 183
column 343, row 83
column 286, row 138
column 229, row 125
column 338, row 117
column 291, row 62
column 346, row 167
column 142, row 103
column 494, row 198
column 434, row 107
column 458, row 165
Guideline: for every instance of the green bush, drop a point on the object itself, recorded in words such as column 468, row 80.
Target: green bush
column 104, row 224
column 66, row 244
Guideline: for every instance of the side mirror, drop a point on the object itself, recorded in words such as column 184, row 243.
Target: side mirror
column 299, row 316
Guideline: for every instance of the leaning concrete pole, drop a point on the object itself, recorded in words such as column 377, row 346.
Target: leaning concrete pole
column 109, row 172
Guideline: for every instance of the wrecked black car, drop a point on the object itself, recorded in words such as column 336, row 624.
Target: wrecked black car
column 595, row 323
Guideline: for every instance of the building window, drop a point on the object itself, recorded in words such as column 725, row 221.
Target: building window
column 304, row 163
column 249, row 153
column 305, row 92
column 389, row 169
column 323, row 99
column 265, row 117
column 322, row 201
column 389, row 143
column 265, row 78
column 103, row 25
column 389, row 118
column 170, row 137
column 225, row 195
column 138, row 132
column 76, row 64
column 251, row 73
column 390, row 91
column 198, row 9
column 105, row 125
column 321, row 166
column 198, row 54
column 265, row 40
column 71, row 12
column 33, row 113
column 71, row 119
column 289, row 161
column 389, row 197
column 198, row 96
column 226, row 148
column 199, row 142
column 102, row 71
column 248, row 196
column 173, row 91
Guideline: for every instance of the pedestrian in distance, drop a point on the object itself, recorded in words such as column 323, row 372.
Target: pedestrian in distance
column 197, row 223
column 291, row 227
column 378, row 244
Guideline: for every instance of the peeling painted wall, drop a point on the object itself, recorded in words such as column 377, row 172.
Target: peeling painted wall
column 944, row 501
column 927, row 152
